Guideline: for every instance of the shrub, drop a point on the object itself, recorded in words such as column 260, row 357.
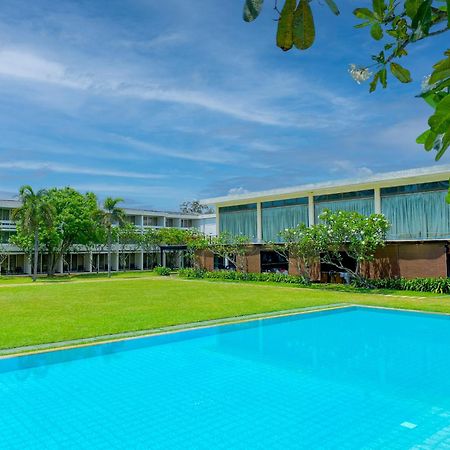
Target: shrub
column 162, row 271
column 242, row 276
column 434, row 285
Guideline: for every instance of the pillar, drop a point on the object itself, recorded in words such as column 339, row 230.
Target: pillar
column 311, row 212
column 259, row 235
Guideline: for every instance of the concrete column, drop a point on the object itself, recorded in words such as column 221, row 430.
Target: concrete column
column 311, row 212
column 115, row 262
column 140, row 260
column 60, row 265
column 217, row 221
column 377, row 200
column 87, row 262
column 27, row 265
column 259, row 235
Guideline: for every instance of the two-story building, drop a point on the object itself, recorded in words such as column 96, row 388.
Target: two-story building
column 81, row 259
column 414, row 202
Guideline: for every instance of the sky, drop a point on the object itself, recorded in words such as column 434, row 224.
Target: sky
column 160, row 102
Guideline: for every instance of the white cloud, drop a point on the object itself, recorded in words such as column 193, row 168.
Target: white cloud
column 74, row 169
column 349, row 168
column 27, row 65
column 237, row 191
column 254, row 106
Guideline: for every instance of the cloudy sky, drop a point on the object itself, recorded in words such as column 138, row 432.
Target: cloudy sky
column 164, row 101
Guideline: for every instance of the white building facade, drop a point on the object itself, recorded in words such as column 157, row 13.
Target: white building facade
column 14, row 261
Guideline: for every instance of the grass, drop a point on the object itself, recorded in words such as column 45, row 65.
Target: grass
column 59, row 311
column 26, row 279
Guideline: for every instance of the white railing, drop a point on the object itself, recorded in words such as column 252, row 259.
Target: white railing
column 7, row 225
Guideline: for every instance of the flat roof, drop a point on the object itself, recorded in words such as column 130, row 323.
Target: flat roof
column 9, row 203
column 387, row 179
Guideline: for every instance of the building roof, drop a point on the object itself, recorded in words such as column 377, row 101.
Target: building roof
column 8, row 203
column 420, row 175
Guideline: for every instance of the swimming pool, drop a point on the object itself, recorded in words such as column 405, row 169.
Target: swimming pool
column 348, row 378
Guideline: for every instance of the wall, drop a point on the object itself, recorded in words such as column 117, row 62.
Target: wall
column 410, row 260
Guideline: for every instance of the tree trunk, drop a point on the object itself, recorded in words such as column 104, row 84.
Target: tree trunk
column 109, row 253
column 36, row 254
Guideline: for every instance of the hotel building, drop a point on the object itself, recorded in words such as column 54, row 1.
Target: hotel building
column 414, row 202
column 14, row 261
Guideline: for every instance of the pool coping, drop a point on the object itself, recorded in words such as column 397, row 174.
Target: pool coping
column 171, row 329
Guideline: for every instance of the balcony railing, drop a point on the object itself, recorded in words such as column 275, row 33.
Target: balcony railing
column 7, row 225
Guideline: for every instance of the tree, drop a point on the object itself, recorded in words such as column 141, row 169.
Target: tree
column 231, row 247
column 74, row 224
column 195, row 207
column 128, row 239
column 3, row 249
column 150, row 243
column 301, row 243
column 351, row 234
column 110, row 216
column 34, row 213
column 397, row 26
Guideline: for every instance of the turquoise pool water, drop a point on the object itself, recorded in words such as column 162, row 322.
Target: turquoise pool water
column 351, row 378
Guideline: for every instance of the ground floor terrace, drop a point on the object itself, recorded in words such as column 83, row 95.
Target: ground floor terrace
column 18, row 263
column 397, row 259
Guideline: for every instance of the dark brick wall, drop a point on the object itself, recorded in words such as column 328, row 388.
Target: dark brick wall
column 408, row 260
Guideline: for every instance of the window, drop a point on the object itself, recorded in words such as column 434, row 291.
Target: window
column 5, row 214
column 287, row 202
column 186, row 223
column 413, row 188
column 150, row 221
column 170, row 222
column 344, row 196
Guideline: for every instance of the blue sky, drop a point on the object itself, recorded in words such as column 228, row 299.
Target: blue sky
column 162, row 102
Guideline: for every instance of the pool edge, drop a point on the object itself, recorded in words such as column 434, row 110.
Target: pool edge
column 160, row 331
column 180, row 328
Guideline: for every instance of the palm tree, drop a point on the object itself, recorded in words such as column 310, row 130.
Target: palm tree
column 35, row 210
column 110, row 216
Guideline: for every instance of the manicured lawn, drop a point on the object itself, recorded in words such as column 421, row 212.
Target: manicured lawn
column 52, row 312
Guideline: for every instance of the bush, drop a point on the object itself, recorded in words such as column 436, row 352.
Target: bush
column 434, row 285
column 241, row 276
column 162, row 271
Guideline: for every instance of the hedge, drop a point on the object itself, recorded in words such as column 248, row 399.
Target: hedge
column 241, row 276
column 434, row 285
column 162, row 271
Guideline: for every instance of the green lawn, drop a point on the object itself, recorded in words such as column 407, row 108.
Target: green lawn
column 57, row 311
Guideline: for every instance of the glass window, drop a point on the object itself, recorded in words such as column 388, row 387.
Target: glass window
column 413, row 188
column 150, row 221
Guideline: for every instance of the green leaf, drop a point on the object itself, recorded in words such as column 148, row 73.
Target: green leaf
column 362, row 25
column 383, row 77
column 334, row 7
column 374, row 82
column 423, row 137
column 423, row 17
column 441, row 70
column 448, row 13
column 399, row 72
column 364, row 13
column 285, row 25
column 252, row 8
column 440, row 121
column 429, row 141
column 376, row 31
column 379, row 8
column 411, row 7
column 303, row 27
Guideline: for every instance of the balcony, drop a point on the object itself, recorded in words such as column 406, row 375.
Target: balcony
column 7, row 225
